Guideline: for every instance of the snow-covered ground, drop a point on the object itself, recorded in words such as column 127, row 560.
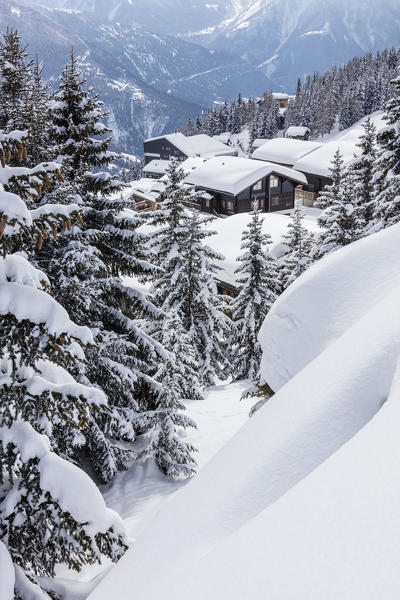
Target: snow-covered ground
column 303, row 502
column 139, row 493
column 227, row 239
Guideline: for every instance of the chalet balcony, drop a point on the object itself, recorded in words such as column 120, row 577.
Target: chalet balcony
column 304, row 197
column 146, row 206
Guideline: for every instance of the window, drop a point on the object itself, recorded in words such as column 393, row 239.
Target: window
column 311, row 187
column 274, row 201
column 229, row 205
column 257, row 187
column 273, row 181
column 207, row 202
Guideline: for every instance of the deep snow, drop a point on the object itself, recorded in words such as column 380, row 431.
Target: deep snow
column 303, row 501
column 227, row 239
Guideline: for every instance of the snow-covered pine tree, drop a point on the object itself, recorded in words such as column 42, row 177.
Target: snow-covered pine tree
column 37, row 115
column 329, row 195
column 233, row 123
column 187, row 282
column 341, row 222
column 386, row 209
column 25, row 100
column 41, row 523
column 202, row 309
column 178, row 381
column 82, row 139
column 258, row 287
column 363, row 169
column 15, row 82
column 298, row 258
column 85, row 269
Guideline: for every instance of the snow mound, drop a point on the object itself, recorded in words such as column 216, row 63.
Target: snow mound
column 7, row 574
column 319, row 306
column 335, row 535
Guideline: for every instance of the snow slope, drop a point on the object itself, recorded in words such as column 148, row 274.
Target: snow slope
column 234, row 532
column 229, row 231
column 335, row 535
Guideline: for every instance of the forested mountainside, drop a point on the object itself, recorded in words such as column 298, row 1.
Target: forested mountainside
column 337, row 98
column 148, row 81
column 153, row 82
column 278, row 39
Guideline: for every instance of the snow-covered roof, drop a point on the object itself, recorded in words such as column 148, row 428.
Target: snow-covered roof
column 147, row 189
column 232, row 174
column 156, row 166
column 294, row 131
column 259, row 142
column 281, row 96
column 196, row 145
column 319, row 162
column 192, row 163
column 189, row 165
column 284, row 151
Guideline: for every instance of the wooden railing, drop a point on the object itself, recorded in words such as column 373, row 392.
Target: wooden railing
column 146, row 206
column 306, row 198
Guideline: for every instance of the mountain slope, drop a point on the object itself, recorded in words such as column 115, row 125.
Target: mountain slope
column 137, row 109
column 173, row 17
column 151, row 83
column 289, row 38
column 279, row 39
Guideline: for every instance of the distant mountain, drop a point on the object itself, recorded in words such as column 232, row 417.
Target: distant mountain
column 173, row 17
column 280, row 39
column 286, row 39
column 151, row 83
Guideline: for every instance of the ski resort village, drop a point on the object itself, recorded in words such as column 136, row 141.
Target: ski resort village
column 199, row 300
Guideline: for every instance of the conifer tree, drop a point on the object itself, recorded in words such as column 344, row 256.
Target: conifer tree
column 41, row 357
column 187, row 282
column 38, row 122
column 258, row 287
column 298, row 258
column 363, row 169
column 15, row 82
column 342, row 221
column 387, row 201
column 178, row 381
column 329, row 195
column 85, row 270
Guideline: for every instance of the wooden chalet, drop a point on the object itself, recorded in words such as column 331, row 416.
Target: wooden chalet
column 231, row 185
column 160, row 150
column 288, row 152
column 297, row 133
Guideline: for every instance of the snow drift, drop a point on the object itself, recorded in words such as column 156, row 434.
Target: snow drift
column 303, row 502
column 322, row 304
